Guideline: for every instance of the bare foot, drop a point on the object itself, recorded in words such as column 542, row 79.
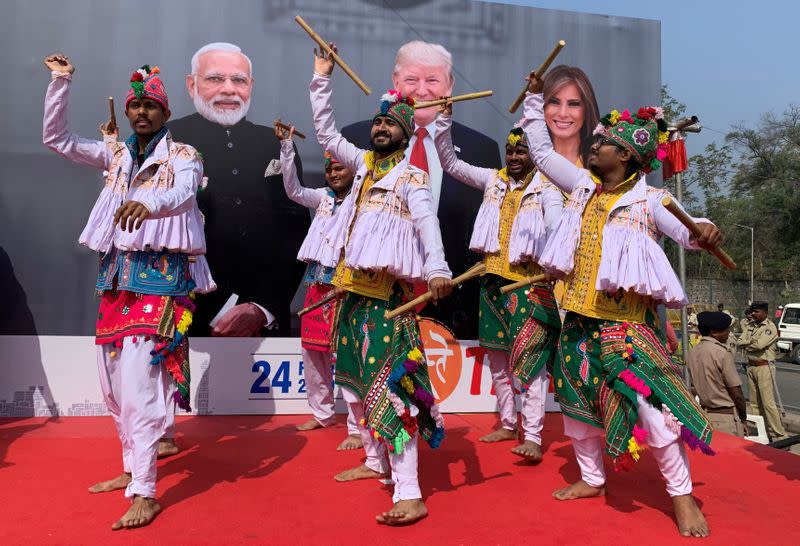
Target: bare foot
column 362, row 472
column 167, row 448
column 120, row 482
column 141, row 512
column 529, row 450
column 403, row 512
column 499, row 435
column 691, row 522
column 579, row 490
column 311, row 424
column 353, row 441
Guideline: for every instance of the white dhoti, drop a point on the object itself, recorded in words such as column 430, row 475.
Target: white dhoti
column 318, row 373
column 533, row 407
column 404, row 466
column 667, row 448
column 503, row 389
column 136, row 394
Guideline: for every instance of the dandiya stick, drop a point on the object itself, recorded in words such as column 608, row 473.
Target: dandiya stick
column 338, row 60
column 112, row 115
column 278, row 123
column 456, row 98
column 474, row 271
column 527, row 281
column 331, row 296
column 694, row 229
column 539, row 74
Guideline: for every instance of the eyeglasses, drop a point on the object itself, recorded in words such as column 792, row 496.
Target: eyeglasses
column 605, row 141
column 238, row 80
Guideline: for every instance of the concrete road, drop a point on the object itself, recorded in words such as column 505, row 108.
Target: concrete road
column 788, row 380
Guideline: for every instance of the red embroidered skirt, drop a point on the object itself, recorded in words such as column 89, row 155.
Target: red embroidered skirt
column 316, row 327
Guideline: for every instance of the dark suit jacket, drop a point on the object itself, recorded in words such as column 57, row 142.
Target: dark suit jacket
column 253, row 231
column 458, row 207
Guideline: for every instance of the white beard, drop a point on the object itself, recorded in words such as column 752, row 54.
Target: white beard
column 226, row 118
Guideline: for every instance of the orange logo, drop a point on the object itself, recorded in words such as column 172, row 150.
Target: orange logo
column 443, row 354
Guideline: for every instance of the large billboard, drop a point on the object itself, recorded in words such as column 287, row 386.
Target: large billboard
column 253, row 231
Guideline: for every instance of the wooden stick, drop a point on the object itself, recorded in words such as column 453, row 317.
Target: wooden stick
column 527, row 281
column 456, row 98
column 112, row 115
column 285, row 127
column 338, row 60
column 694, row 229
column 539, row 74
column 331, row 295
column 474, row 271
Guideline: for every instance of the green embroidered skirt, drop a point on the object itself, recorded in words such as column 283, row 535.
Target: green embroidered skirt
column 382, row 362
column 500, row 316
column 601, row 367
column 535, row 343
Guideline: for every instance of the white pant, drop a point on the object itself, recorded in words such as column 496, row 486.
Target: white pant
column 533, row 407
column 135, row 393
column 318, row 373
column 666, row 446
column 503, row 388
column 172, row 407
column 404, row 466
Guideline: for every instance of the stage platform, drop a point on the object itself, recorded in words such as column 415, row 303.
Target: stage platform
column 255, row 479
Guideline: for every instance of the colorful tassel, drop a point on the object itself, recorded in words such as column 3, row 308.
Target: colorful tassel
column 636, row 384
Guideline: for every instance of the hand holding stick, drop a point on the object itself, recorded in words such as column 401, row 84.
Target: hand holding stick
column 695, row 230
column 456, row 98
column 287, row 128
column 527, row 281
column 112, row 117
column 338, row 60
column 539, row 74
column 109, row 128
column 474, row 271
column 332, row 295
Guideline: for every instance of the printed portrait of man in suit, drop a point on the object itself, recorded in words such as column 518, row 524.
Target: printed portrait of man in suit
column 252, row 229
column 423, row 71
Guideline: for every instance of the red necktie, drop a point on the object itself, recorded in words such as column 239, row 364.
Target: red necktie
column 419, row 158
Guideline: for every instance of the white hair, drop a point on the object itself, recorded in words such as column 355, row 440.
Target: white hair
column 218, row 46
column 425, row 54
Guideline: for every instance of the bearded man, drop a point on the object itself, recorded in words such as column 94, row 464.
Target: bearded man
column 244, row 208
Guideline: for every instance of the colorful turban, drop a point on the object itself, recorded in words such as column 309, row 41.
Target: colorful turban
column 146, row 84
column 516, row 137
column 399, row 108
column 330, row 160
column 644, row 136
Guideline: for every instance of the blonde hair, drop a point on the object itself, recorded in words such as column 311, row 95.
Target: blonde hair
column 425, row 54
column 562, row 75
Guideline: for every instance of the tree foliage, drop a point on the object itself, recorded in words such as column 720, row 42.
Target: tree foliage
column 753, row 179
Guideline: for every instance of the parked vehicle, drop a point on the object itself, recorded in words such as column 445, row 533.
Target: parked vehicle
column 789, row 331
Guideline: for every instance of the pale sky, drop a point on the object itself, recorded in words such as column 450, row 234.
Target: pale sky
column 729, row 62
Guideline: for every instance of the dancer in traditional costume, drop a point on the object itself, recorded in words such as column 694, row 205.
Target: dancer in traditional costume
column 613, row 374
column 386, row 236
column 316, row 326
column 510, row 231
column 149, row 233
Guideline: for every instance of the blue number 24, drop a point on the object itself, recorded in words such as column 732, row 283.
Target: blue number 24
column 281, row 379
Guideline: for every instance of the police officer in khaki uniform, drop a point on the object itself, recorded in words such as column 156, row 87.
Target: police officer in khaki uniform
column 759, row 341
column 714, row 377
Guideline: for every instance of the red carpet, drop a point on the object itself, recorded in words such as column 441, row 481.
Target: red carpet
column 255, row 479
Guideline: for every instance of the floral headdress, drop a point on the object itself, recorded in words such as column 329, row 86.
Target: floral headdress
column 145, row 83
column 399, row 108
column 516, row 137
column 645, row 136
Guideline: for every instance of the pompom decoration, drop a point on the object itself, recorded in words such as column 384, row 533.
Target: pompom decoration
column 650, row 147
